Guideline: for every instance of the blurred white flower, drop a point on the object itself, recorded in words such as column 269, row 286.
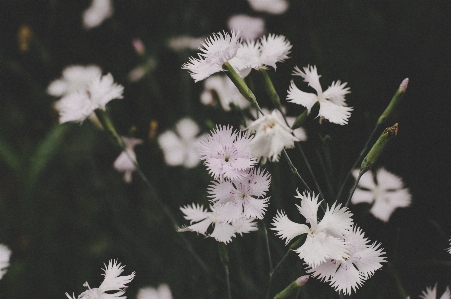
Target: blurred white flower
column 351, row 272
column 5, row 254
column 180, row 43
column 332, row 101
column 97, row 12
column 275, row 7
column 222, row 231
column 111, row 282
column 249, row 27
column 431, row 293
column 226, row 92
column 162, row 292
column 271, row 137
column 387, row 194
column 216, row 50
column 325, row 239
column 179, row 147
column 74, row 78
column 125, row 162
column 77, row 106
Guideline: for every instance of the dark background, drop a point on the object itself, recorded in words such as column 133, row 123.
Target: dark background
column 64, row 210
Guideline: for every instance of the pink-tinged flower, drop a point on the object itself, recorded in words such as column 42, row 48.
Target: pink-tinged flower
column 77, row 106
column 179, row 147
column 74, row 78
column 271, row 137
column 431, row 293
column 97, row 12
column 275, row 7
column 243, row 198
column 216, row 50
column 249, row 27
column 125, row 162
column 226, row 153
column 385, row 190
column 184, row 42
column 112, row 282
column 325, row 239
column 222, row 231
column 5, row 254
column 348, row 274
column 162, row 292
column 222, row 88
column 332, row 101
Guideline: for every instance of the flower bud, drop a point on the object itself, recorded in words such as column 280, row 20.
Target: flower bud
column 303, row 117
column 295, row 285
column 392, row 108
column 378, row 148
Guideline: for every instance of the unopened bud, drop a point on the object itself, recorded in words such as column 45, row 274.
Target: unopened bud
column 304, row 116
column 139, row 46
column 295, row 285
column 378, row 148
column 392, row 108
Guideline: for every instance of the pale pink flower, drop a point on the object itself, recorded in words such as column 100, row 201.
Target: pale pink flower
column 275, row 7
column 125, row 162
column 226, row 92
column 162, row 292
column 5, row 254
column 431, row 293
column 185, row 42
column 249, row 27
column 97, row 12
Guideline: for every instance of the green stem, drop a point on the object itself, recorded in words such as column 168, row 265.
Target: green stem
column 267, row 246
column 295, row 171
column 224, row 257
column 402, row 292
column 353, row 188
column 272, row 93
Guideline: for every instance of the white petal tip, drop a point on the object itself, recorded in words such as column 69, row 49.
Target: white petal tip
column 404, row 84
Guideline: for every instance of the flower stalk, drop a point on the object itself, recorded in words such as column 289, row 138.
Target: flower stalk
column 392, row 108
column 270, row 90
column 241, row 85
column 294, row 286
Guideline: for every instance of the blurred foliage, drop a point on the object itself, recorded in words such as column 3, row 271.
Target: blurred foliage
column 65, row 211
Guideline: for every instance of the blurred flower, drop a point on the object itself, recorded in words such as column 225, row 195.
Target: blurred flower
column 249, row 27
column 275, row 7
column 217, row 49
column 5, row 254
column 141, row 70
column 74, row 78
column 332, row 101
column 126, row 161
column 225, row 90
column 180, row 43
column 97, row 12
column 271, row 137
column 387, row 194
column 348, row 274
column 431, row 293
column 179, row 147
column 325, row 239
column 111, row 282
column 243, row 198
column 162, row 292
column 226, row 153
column 77, row 106
column 222, row 232
column 449, row 248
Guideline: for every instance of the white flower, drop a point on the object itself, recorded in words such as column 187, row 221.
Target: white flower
column 180, row 43
column 111, row 282
column 97, row 12
column 325, row 239
column 226, row 153
column 431, row 293
column 179, row 147
column 332, row 101
column 387, row 194
column 222, row 232
column 243, row 198
column 225, row 90
column 348, row 274
column 216, row 50
column 74, row 78
column 5, row 254
column 275, row 7
column 162, row 292
column 449, row 248
column 126, row 161
column 249, row 27
column 271, row 137
column 77, row 106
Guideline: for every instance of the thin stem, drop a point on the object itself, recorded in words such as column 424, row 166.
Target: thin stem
column 295, row 171
column 271, row 274
column 353, row 188
column 326, row 173
column 226, row 269
column 224, row 257
column 402, row 292
column 267, row 246
column 362, row 153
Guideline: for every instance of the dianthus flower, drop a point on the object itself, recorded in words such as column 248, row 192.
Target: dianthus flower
column 162, row 292
column 216, row 50
column 125, row 162
column 275, row 7
column 226, row 153
column 226, row 92
column 325, row 239
column 332, row 100
column 431, row 293
column 111, row 282
column 74, row 78
column 5, row 254
column 97, row 12
column 243, row 198
column 352, row 271
column 387, row 194
column 271, row 137
column 222, row 231
column 179, row 147
column 249, row 27
column 77, row 106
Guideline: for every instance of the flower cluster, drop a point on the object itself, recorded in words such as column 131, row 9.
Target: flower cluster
column 237, row 194
column 334, row 250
